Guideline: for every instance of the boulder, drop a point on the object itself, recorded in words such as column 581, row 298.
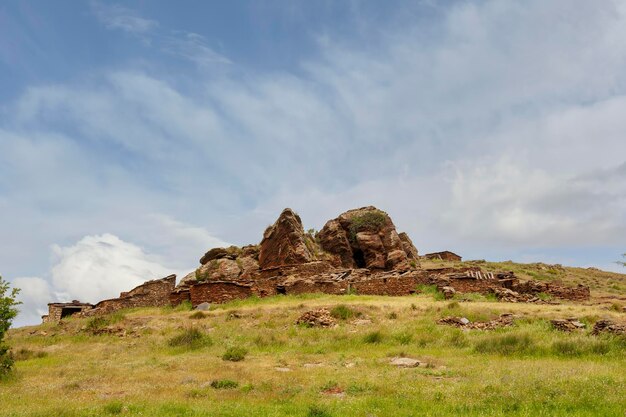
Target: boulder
column 223, row 269
column 284, row 243
column 334, row 240
column 409, row 248
column 448, row 292
column 218, row 253
column 405, row 362
column 364, row 238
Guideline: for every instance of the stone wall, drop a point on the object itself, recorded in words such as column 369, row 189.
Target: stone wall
column 57, row 311
column 395, row 285
column 218, row 292
column 154, row 293
column 180, row 296
column 579, row 293
column 308, row 286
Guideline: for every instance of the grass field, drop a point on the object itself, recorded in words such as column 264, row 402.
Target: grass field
column 248, row 358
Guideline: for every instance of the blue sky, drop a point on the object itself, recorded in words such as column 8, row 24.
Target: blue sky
column 134, row 136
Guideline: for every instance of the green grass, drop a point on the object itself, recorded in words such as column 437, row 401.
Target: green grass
column 528, row 369
column 235, row 354
column 190, row 338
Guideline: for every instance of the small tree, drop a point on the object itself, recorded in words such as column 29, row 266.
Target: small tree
column 622, row 263
column 8, row 311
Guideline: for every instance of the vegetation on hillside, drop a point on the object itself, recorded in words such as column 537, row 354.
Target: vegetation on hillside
column 527, row 369
column 8, row 311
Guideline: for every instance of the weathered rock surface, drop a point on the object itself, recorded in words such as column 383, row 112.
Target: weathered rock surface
column 284, row 243
column 219, row 253
column 504, row 320
column 405, row 362
column 567, row 325
column 608, row 326
column 364, row 238
column 317, row 318
column 409, row 248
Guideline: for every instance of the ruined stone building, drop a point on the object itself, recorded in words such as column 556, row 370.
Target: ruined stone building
column 443, row 256
column 359, row 252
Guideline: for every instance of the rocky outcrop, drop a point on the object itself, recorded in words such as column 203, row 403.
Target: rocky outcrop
column 409, row 248
column 284, row 243
column 364, row 238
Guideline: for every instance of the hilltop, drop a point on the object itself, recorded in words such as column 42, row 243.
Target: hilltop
column 347, row 321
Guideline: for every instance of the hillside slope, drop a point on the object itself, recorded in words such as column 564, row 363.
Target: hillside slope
column 176, row 362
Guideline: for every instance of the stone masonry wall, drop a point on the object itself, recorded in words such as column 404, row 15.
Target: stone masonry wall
column 218, row 292
column 398, row 286
column 150, row 294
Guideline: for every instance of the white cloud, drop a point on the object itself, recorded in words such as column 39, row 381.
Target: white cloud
column 497, row 127
column 98, row 267
column 34, row 295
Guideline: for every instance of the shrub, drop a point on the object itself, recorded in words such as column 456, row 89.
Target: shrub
column 235, row 354
column 190, row 338
column 370, row 221
column 373, row 337
column 506, row 344
column 8, row 311
column 342, row 312
column 224, row 384
column 392, row 316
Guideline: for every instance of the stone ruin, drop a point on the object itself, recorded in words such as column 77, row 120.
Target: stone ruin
column 359, row 252
column 155, row 293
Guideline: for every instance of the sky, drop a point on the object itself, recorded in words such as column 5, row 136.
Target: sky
column 135, row 136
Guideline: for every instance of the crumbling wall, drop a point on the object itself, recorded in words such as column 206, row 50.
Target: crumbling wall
column 218, row 292
column 578, row 293
column 154, row 293
column 309, row 286
column 179, row 296
column 395, row 285
column 57, row 311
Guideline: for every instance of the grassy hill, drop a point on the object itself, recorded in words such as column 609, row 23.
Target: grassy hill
column 249, row 358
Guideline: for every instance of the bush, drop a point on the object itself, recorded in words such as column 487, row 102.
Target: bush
column 370, row 221
column 224, row 384
column 235, row 354
column 8, row 311
column 190, row 338
column 392, row 316
column 342, row 312
column 373, row 337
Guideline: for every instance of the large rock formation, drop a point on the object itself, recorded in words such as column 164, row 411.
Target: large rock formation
column 365, row 238
column 285, row 243
column 360, row 238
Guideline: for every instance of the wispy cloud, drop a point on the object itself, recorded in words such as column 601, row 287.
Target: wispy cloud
column 186, row 45
column 494, row 133
column 193, row 47
column 117, row 17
